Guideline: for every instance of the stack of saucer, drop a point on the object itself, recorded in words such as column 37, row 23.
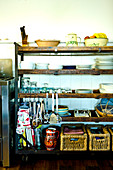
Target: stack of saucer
column 87, row 66
column 63, row 110
column 104, row 63
column 106, row 88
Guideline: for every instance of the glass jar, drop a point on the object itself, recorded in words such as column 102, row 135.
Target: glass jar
column 33, row 86
column 45, row 88
column 25, row 83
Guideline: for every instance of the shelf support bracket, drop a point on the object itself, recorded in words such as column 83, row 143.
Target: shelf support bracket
column 22, row 57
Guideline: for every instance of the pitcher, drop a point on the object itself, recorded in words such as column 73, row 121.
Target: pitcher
column 51, row 137
column 71, row 39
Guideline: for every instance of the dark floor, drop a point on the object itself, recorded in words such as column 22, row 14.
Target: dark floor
column 69, row 163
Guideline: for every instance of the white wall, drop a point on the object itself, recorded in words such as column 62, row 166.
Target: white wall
column 54, row 19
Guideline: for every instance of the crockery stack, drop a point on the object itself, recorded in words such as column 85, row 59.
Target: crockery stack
column 106, row 88
column 63, row 110
column 104, row 63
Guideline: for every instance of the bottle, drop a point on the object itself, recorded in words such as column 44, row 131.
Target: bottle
column 38, row 136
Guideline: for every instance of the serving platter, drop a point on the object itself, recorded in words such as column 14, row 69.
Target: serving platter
column 84, row 91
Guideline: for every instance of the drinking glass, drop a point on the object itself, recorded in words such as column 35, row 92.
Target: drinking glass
column 25, row 82
column 33, row 86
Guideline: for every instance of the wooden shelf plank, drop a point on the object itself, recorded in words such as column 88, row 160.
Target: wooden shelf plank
column 65, row 71
column 67, row 95
column 81, row 49
column 87, row 119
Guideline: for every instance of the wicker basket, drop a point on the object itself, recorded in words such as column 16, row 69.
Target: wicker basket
column 99, row 138
column 110, row 129
column 73, row 142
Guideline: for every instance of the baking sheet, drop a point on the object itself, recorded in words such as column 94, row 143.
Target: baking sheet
column 6, row 68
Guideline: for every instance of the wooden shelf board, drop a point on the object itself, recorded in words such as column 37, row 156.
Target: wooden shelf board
column 66, row 95
column 87, row 119
column 65, row 71
column 63, row 49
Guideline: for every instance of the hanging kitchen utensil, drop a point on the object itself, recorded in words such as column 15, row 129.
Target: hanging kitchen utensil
column 53, row 117
column 37, row 112
column 58, row 117
column 34, row 113
column 43, row 110
column 52, row 102
column 57, row 105
column 34, row 108
column 47, row 116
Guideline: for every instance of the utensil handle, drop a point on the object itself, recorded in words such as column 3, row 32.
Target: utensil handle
column 52, row 102
column 38, row 109
column 57, row 103
column 46, row 102
column 57, row 134
column 80, row 39
column 34, row 107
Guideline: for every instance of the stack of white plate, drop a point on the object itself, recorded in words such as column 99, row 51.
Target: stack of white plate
column 106, row 88
column 86, row 66
column 55, row 66
column 41, row 65
column 104, row 63
column 84, row 90
column 26, row 65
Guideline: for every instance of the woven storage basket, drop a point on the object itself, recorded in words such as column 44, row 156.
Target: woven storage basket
column 73, row 142
column 110, row 129
column 98, row 141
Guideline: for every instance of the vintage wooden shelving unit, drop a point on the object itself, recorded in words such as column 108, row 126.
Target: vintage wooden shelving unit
column 75, row 51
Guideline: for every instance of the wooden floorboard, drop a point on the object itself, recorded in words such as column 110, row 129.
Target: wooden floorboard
column 64, row 164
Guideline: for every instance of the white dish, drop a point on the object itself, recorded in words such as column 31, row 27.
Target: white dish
column 81, row 115
column 104, row 59
column 104, row 64
column 105, row 91
column 106, row 86
column 26, row 65
column 65, row 115
column 104, row 67
column 84, row 91
column 83, row 66
column 41, row 65
column 54, row 66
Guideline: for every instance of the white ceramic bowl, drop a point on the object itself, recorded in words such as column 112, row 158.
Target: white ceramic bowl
column 27, row 65
column 54, row 66
column 62, row 110
column 96, row 41
column 106, row 86
column 41, row 65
